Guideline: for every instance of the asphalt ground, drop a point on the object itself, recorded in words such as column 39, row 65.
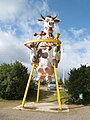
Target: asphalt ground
column 76, row 112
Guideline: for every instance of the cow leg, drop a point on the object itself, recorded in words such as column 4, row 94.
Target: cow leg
column 49, row 72
column 41, row 74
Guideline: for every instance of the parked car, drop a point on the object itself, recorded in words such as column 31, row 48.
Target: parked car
column 51, row 86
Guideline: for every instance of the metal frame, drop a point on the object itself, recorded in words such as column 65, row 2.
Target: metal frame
column 31, row 74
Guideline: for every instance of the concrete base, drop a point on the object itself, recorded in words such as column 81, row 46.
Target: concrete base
column 44, row 107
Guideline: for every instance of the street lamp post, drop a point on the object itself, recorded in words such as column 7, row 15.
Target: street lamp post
column 63, row 69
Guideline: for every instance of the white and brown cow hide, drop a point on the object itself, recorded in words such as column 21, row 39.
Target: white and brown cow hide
column 46, row 54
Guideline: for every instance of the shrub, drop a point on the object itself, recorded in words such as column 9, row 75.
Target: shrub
column 79, row 82
column 13, row 79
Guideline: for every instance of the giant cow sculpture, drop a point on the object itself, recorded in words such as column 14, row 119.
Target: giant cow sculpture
column 46, row 54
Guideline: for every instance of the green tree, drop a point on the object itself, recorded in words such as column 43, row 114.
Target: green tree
column 79, row 82
column 13, row 79
column 60, row 82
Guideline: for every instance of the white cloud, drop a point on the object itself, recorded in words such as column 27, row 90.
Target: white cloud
column 77, row 32
column 9, row 9
column 12, row 49
column 19, row 19
column 75, row 53
column 22, row 13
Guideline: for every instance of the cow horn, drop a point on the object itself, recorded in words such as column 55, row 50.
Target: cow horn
column 43, row 17
column 54, row 17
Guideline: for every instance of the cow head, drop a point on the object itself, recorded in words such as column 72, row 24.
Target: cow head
column 48, row 22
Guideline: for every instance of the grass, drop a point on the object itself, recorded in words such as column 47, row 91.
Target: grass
column 43, row 96
column 47, row 96
column 9, row 103
column 64, row 96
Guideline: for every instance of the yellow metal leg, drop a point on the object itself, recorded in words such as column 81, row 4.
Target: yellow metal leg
column 28, row 84
column 57, row 88
column 38, row 91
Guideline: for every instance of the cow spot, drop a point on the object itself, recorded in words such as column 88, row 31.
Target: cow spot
column 32, row 45
column 44, row 55
column 50, row 47
column 34, row 59
column 57, row 48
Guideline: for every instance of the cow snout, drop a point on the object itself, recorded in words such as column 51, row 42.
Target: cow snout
column 51, row 23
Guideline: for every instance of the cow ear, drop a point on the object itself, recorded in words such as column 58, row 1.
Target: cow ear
column 57, row 20
column 40, row 20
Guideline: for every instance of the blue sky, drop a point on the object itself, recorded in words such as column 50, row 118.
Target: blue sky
column 74, row 13
column 18, row 21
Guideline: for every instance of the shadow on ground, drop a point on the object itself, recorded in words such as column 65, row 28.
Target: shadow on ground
column 49, row 96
